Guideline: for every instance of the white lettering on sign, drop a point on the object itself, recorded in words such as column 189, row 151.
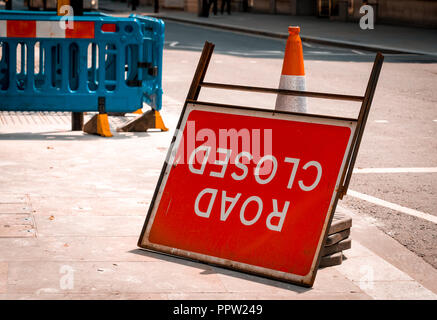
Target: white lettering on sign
column 276, row 213
column 207, row 150
column 224, row 163
column 243, row 210
column 295, row 163
column 257, row 203
column 252, row 207
column 319, row 176
column 241, row 166
column 224, row 213
column 206, row 213
column 241, row 176
column 272, row 172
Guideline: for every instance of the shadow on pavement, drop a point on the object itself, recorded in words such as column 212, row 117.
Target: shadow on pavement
column 210, row 269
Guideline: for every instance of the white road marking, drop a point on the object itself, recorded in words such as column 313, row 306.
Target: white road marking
column 381, row 121
column 320, row 52
column 435, row 120
column 396, row 170
column 357, row 52
column 178, row 45
column 269, row 51
column 253, row 53
column 307, row 45
column 393, row 206
column 189, row 47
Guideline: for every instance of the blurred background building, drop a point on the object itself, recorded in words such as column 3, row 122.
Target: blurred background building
column 421, row 13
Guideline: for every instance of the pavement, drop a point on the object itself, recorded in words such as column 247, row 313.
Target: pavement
column 385, row 38
column 72, row 207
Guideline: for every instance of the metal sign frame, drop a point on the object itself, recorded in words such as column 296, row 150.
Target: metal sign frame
column 357, row 126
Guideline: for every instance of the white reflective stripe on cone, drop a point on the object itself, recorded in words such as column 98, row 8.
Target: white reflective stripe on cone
column 291, row 103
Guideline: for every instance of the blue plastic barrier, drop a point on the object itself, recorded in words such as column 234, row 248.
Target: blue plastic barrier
column 44, row 67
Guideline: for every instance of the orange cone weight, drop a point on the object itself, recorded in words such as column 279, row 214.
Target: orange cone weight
column 293, row 74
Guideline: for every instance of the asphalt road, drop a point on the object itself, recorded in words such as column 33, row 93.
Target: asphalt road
column 401, row 131
column 180, row 36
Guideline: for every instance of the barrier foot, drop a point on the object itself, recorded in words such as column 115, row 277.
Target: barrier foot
column 77, row 121
column 99, row 125
column 149, row 120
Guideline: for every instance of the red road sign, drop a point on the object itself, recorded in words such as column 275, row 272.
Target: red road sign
column 250, row 189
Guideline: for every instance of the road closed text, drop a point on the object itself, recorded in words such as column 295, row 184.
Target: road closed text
column 264, row 172
column 262, row 202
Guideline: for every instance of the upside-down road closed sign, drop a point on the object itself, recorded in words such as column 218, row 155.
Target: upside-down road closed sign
column 249, row 189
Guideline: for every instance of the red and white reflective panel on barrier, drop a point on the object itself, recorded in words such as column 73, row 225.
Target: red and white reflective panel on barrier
column 249, row 189
column 47, row 29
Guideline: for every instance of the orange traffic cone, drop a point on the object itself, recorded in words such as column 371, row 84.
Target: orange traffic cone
column 293, row 74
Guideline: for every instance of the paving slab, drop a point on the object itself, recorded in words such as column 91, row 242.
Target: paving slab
column 16, row 219
column 81, row 296
column 17, row 231
column 366, row 233
column 90, row 206
column 3, row 277
column 89, row 225
column 73, row 248
column 107, row 277
column 14, row 208
column 398, row 290
column 268, row 296
column 330, row 282
column 6, row 198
